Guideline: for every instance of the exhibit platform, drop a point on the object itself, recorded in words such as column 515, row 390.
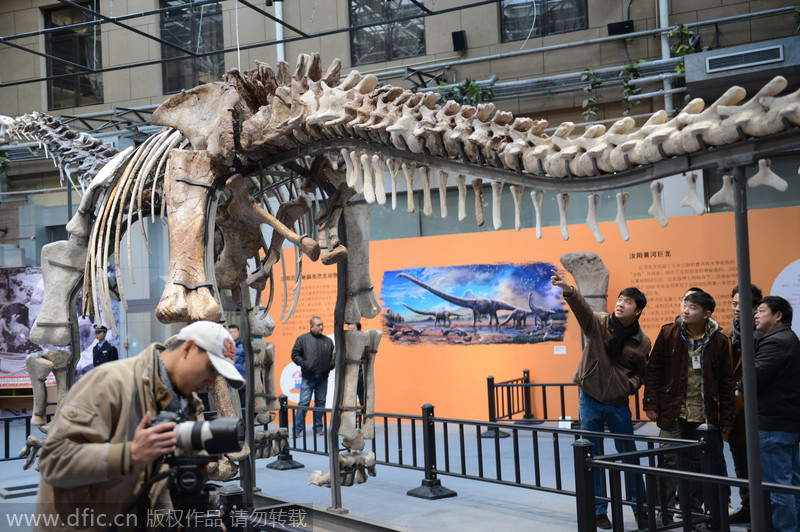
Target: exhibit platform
column 381, row 503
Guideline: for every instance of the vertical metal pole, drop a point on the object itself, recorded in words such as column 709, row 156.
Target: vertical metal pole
column 248, row 478
column 584, row 485
column 336, row 414
column 431, row 487
column 492, row 406
column 526, row 390
column 757, row 515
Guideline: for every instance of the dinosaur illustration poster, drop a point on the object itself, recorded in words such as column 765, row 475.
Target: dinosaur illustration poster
column 473, row 304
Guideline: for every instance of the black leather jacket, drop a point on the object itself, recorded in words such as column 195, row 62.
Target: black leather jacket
column 314, row 355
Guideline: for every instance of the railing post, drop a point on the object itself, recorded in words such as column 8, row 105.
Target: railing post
column 491, row 403
column 431, row 487
column 584, row 485
column 284, row 461
column 711, row 463
column 492, row 432
column 526, row 391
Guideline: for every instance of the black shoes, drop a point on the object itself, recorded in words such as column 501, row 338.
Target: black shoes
column 603, row 522
column 739, row 517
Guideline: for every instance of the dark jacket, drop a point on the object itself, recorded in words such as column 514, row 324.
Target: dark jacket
column 104, row 353
column 240, row 360
column 314, row 355
column 737, row 435
column 666, row 376
column 610, row 382
column 778, row 380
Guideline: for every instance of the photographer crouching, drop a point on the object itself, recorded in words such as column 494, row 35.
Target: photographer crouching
column 103, row 464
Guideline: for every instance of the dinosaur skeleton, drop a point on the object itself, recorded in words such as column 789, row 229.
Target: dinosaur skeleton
column 309, row 138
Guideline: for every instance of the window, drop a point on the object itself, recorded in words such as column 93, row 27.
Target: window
column 546, row 17
column 198, row 29
column 80, row 46
column 385, row 42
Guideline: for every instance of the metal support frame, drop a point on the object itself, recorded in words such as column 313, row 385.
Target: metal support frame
column 742, row 153
column 248, row 466
column 137, row 31
column 338, row 391
column 746, row 323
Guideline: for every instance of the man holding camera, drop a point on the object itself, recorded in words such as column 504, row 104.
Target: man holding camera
column 101, row 448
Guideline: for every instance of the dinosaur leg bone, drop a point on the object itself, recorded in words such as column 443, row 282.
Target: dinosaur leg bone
column 63, row 265
column 361, row 299
column 368, row 425
column 356, row 341
column 266, row 399
column 187, row 295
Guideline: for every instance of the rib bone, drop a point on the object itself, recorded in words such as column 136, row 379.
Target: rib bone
column 477, row 186
column 765, row 176
column 537, row 196
column 516, row 194
column 427, row 208
column 408, row 171
column 497, row 204
column 692, row 200
column 394, row 167
column 442, row 192
column 725, row 194
column 656, row 210
column 620, row 220
column 377, row 172
column 591, row 217
column 461, row 181
column 563, row 202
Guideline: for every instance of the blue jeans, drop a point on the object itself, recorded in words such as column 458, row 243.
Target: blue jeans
column 319, row 387
column 594, row 415
column 780, row 463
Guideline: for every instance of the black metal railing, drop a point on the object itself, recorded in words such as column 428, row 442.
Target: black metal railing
column 444, row 447
column 517, row 396
column 14, row 440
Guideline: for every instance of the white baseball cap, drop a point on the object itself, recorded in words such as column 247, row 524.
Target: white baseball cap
column 217, row 342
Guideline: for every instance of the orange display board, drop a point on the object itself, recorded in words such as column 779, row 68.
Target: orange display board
column 662, row 262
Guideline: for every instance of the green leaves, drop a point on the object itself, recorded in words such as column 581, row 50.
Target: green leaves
column 590, row 104
column 468, row 93
column 683, row 46
column 629, row 72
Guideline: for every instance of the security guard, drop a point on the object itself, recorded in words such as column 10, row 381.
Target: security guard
column 103, row 352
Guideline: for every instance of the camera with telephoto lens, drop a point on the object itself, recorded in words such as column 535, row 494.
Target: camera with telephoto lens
column 222, row 435
column 193, row 498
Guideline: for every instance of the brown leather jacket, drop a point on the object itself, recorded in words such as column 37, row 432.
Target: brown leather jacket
column 666, row 376
column 610, row 382
column 86, row 459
